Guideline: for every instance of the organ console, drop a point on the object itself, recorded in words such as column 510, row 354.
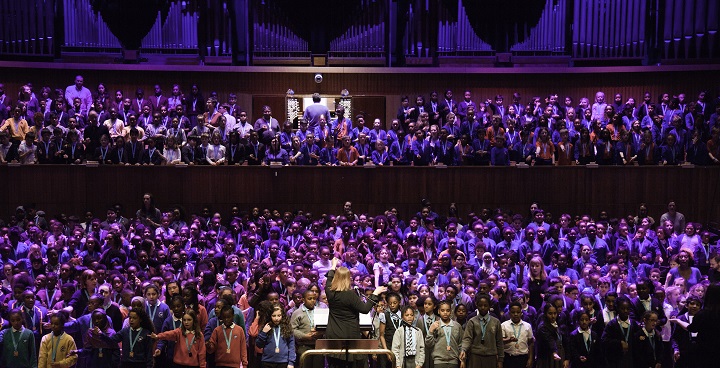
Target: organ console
column 295, row 105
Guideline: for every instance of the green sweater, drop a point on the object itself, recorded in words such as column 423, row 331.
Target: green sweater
column 27, row 356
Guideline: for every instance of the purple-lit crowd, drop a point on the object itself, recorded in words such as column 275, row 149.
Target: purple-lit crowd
column 74, row 125
column 158, row 287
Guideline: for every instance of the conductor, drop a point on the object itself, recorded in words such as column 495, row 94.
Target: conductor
column 345, row 305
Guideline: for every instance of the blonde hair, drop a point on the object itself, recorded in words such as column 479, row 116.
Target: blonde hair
column 543, row 273
column 341, row 280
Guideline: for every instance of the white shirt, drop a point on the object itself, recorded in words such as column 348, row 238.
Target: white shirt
column 30, row 158
column 522, row 331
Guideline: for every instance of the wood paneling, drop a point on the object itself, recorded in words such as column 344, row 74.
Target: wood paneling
column 574, row 190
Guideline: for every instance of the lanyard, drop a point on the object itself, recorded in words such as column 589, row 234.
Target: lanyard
column 310, row 316
column 483, row 327
column 188, row 345
column 55, row 346
column 276, row 337
column 428, row 322
column 134, row 341
column 228, row 338
column 588, row 342
column 652, row 342
column 151, row 311
column 176, row 325
column 706, row 250
column 447, row 329
column 15, row 343
column 626, row 332
column 33, row 316
column 517, row 332
column 557, row 332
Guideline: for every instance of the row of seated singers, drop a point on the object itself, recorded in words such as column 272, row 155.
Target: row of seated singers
column 439, row 147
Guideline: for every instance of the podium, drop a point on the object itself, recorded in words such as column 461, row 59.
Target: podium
column 348, row 347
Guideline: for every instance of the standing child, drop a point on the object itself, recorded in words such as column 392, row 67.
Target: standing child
column 56, row 346
column 227, row 342
column 444, row 339
column 408, row 344
column 137, row 346
column 647, row 349
column 33, row 315
column 518, row 339
column 92, row 354
column 303, row 327
column 617, row 338
column 482, row 342
column 18, row 344
column 684, row 342
column 428, row 316
column 499, row 154
column 551, row 340
column 583, row 342
column 189, row 342
column 390, row 321
column 461, row 314
column 588, row 304
column 425, row 321
column 156, row 310
column 166, row 348
column 280, row 351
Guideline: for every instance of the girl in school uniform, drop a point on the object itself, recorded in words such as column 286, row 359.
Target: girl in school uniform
column 427, row 319
column 93, row 352
column 648, row 346
column 408, row 344
column 443, row 339
column 583, row 342
column 137, row 346
column 56, row 346
column 189, row 342
column 17, row 344
column 166, row 348
column 550, row 340
column 278, row 351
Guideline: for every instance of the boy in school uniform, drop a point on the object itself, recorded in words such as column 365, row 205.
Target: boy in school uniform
column 302, row 323
column 482, row 343
column 227, row 342
column 518, row 339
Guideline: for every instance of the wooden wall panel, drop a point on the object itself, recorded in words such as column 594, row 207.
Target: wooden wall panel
column 373, row 107
column 574, row 190
column 277, row 106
